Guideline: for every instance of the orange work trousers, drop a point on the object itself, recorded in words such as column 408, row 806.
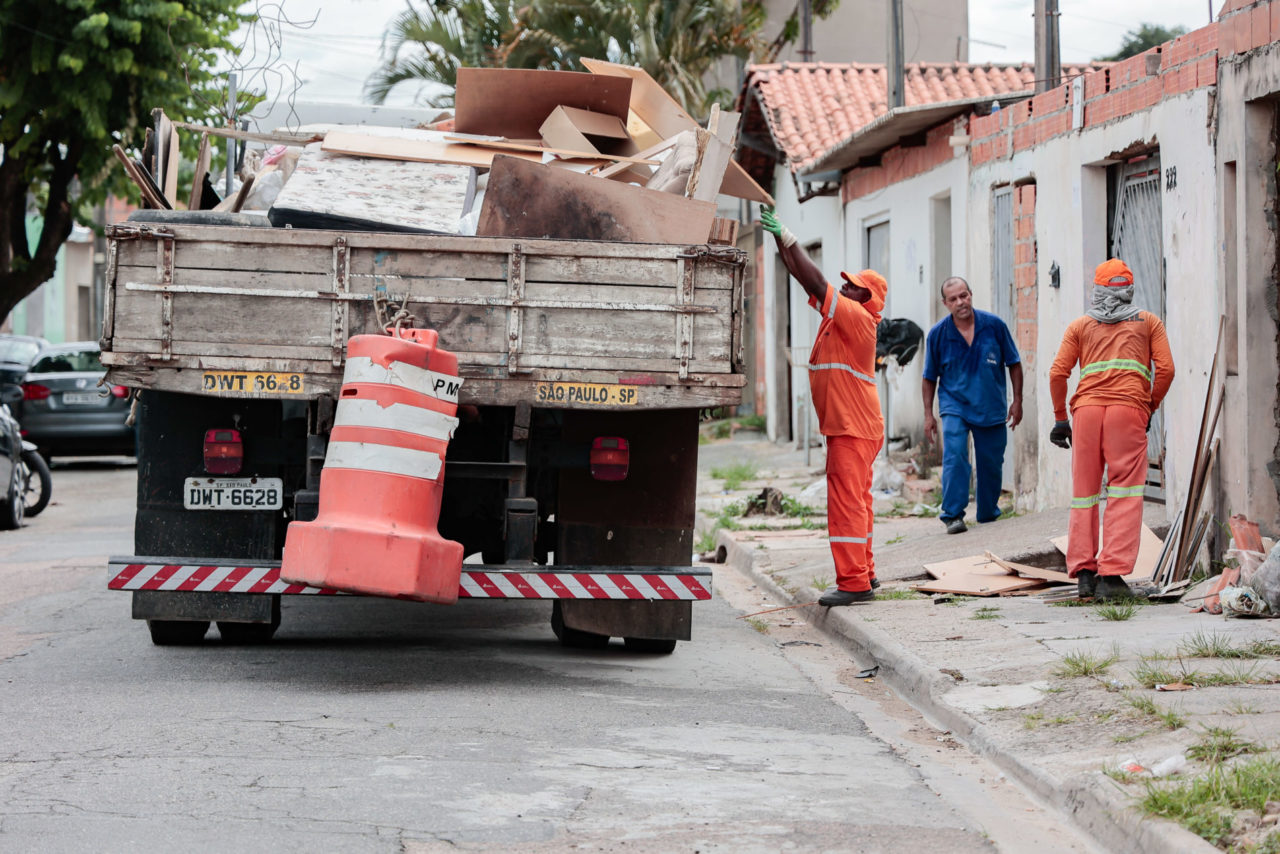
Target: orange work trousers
column 849, row 514
column 1116, row 437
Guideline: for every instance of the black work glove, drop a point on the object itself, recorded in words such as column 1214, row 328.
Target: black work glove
column 1060, row 435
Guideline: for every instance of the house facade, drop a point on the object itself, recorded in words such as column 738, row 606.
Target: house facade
column 1167, row 159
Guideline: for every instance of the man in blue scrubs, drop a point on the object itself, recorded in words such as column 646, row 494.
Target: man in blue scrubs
column 965, row 360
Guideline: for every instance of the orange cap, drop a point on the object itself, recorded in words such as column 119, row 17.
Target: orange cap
column 872, row 281
column 1113, row 273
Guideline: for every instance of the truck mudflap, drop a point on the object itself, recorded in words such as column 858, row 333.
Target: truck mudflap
column 479, row 581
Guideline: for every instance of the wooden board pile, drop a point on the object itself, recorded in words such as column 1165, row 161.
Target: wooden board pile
column 1177, row 560
column 605, row 155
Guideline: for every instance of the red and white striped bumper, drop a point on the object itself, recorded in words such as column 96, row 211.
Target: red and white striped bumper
column 652, row 583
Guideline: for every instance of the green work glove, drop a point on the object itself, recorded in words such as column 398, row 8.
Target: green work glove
column 1060, row 435
column 770, row 221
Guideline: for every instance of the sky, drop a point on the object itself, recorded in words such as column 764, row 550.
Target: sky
column 338, row 46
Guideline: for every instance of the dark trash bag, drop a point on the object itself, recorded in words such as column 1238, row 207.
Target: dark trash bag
column 899, row 337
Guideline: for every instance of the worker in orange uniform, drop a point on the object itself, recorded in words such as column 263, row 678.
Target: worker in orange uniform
column 842, row 369
column 1125, row 371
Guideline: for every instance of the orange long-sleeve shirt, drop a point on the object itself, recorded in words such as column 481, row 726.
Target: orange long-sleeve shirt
column 1127, row 363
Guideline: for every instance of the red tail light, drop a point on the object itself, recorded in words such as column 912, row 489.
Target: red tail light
column 223, row 451
column 119, row 391
column 35, row 391
column 610, row 457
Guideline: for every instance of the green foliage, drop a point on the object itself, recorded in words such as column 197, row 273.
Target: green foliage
column 1218, row 744
column 733, row 475
column 1116, row 611
column 1205, row 805
column 1145, row 37
column 1080, row 663
column 676, row 41
column 76, row 77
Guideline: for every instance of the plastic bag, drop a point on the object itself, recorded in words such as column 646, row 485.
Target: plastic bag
column 1247, row 561
column 1265, row 581
column 1242, row 602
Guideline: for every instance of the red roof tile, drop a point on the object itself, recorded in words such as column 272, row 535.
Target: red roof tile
column 808, row 108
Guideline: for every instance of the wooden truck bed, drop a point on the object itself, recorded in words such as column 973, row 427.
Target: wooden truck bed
column 264, row 312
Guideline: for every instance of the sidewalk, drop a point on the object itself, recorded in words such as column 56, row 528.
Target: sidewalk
column 996, row 672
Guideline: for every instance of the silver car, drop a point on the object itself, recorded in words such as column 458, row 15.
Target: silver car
column 66, row 413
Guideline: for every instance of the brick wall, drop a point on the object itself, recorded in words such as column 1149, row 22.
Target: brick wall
column 1187, row 63
column 900, row 163
column 1026, row 298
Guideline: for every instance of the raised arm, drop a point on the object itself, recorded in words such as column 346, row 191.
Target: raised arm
column 797, row 261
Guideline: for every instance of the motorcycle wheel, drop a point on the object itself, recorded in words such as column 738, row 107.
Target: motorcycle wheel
column 37, row 483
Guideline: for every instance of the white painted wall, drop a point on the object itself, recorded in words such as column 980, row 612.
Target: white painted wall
column 1071, row 222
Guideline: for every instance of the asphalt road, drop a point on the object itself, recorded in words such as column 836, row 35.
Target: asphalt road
column 372, row 725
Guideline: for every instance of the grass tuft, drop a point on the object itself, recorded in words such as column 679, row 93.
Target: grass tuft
column 1218, row 744
column 733, row 475
column 1077, row 664
column 1205, row 805
column 899, row 594
column 1116, row 611
column 986, row 612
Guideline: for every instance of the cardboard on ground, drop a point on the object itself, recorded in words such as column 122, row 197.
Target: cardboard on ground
column 514, row 102
column 666, row 118
column 976, row 575
column 1149, row 548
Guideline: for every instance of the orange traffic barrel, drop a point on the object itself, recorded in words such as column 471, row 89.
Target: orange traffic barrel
column 383, row 475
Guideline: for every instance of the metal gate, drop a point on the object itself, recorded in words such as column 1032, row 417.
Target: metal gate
column 1136, row 239
column 1002, row 257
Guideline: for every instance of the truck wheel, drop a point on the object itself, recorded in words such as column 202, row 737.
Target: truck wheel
column 652, row 646
column 177, row 632
column 573, row 638
column 246, row 634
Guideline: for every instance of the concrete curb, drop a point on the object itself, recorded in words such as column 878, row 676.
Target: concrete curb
column 1089, row 801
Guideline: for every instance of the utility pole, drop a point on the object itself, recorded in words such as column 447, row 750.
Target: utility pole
column 897, row 82
column 806, row 31
column 1048, row 54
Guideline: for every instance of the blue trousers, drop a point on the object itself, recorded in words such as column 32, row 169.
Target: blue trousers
column 988, row 449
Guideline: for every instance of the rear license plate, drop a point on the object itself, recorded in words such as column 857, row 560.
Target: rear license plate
column 587, row 394
column 79, row 398
column 252, row 382
column 233, row 493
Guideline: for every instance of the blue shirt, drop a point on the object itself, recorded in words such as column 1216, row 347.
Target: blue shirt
column 971, row 377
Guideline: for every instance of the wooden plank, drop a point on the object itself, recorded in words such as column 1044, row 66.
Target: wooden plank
column 203, row 158
column 276, row 138
column 528, row 200
column 514, row 102
column 651, row 103
column 147, row 188
column 1026, row 571
column 427, row 147
column 172, row 159
column 505, row 145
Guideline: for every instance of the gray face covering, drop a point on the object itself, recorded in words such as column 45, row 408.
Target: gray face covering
column 1112, row 304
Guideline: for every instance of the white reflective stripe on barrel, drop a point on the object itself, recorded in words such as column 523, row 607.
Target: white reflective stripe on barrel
column 367, row 456
column 362, row 412
column 362, row 369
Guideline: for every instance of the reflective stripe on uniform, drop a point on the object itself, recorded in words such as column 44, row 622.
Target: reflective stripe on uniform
column 831, row 312
column 837, row 366
column 1085, row 503
column 847, row 539
column 1116, row 365
column 1126, row 491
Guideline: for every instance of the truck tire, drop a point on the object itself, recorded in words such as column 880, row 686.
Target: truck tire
column 652, row 646
column 246, row 634
column 573, row 638
column 177, row 632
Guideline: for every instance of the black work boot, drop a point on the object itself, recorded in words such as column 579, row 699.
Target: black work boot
column 956, row 526
column 1086, row 583
column 875, row 582
column 836, row 598
column 1112, row 587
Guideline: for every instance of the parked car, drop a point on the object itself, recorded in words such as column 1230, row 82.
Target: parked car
column 17, row 352
column 66, row 413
